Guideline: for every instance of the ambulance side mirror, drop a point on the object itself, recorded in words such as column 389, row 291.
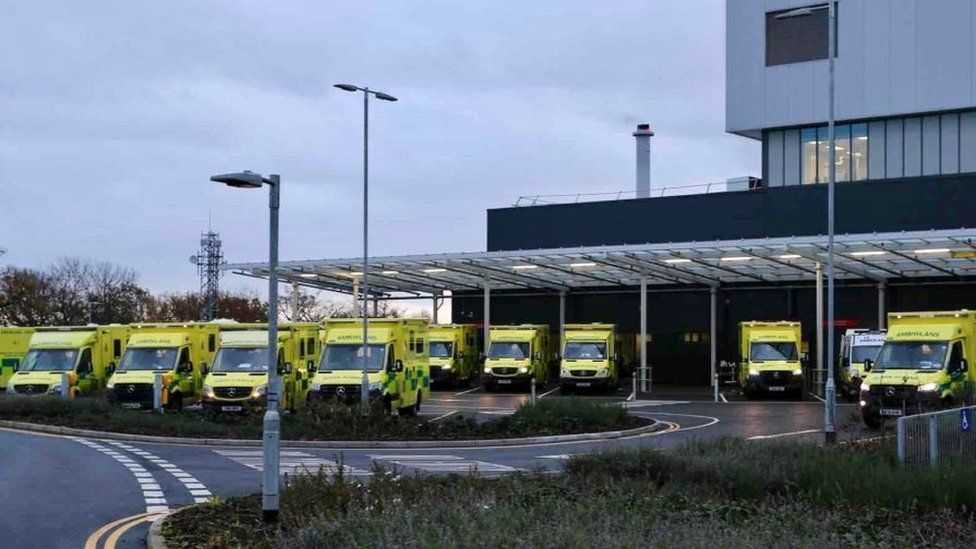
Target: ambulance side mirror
column 110, row 369
column 868, row 364
column 398, row 365
column 288, row 368
column 185, row 368
column 203, row 368
column 310, row 365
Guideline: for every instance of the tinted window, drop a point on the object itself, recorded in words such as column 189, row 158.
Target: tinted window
column 796, row 38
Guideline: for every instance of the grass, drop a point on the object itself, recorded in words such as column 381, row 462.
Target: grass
column 322, row 421
column 613, row 499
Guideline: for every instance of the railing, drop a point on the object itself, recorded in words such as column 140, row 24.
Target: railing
column 701, row 188
column 937, row 438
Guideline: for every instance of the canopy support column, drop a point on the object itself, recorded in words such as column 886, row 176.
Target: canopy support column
column 881, row 306
column 562, row 316
column 433, row 315
column 820, row 329
column 486, row 315
column 713, row 338
column 644, row 373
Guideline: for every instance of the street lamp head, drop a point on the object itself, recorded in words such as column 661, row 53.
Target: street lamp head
column 244, row 180
column 346, row 87
column 384, row 96
column 799, row 12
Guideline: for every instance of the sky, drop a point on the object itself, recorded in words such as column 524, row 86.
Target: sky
column 115, row 114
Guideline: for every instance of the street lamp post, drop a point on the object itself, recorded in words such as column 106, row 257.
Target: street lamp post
column 830, row 390
column 271, row 437
column 364, row 391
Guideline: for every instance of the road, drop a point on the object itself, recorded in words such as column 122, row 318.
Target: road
column 59, row 491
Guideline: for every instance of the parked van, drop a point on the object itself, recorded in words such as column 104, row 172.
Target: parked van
column 856, row 346
column 453, row 353
column 516, row 355
column 238, row 378
column 14, row 342
column 87, row 353
column 925, row 364
column 770, row 358
column 593, row 356
column 398, row 363
column 180, row 351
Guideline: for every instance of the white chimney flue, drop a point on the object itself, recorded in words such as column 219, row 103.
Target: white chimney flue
column 643, row 137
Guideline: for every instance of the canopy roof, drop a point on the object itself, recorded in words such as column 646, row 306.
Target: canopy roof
column 876, row 257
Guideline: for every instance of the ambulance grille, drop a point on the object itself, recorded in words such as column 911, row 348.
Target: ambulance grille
column 31, row 389
column 781, row 377
column 232, row 392
column 504, row 371
column 134, row 392
column 583, row 373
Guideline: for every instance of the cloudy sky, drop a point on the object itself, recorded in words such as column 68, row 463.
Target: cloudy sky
column 115, row 114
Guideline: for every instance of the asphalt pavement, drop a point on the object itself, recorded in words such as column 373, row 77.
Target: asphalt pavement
column 66, row 491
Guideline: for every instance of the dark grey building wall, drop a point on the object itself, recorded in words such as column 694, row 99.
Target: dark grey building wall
column 923, row 203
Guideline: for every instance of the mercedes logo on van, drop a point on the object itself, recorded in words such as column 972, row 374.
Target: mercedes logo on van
column 131, row 388
column 890, row 391
column 28, row 389
column 231, row 392
column 341, row 391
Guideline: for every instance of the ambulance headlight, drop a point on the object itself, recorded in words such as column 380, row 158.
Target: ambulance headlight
column 798, row 372
column 376, row 386
column 865, row 386
column 487, row 370
column 54, row 389
column 928, row 388
column 753, row 372
column 260, row 391
column 111, row 385
column 524, row 370
column 316, row 386
column 564, row 372
column 208, row 391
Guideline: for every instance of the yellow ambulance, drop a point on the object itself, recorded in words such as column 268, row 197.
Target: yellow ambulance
column 14, row 342
column 770, row 361
column 86, row 353
column 593, row 356
column 516, row 355
column 397, row 363
column 453, row 354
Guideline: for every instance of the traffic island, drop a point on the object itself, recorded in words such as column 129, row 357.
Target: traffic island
column 724, row 493
column 325, row 424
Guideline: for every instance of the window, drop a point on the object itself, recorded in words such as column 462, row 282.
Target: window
column 823, row 155
column 310, row 346
column 117, row 348
column 859, row 152
column 842, row 152
column 420, row 345
column 955, row 357
column 212, row 343
column 808, row 153
column 301, row 347
column 797, row 38
column 184, row 356
column 85, row 363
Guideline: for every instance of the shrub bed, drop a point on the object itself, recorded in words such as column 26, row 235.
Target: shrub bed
column 602, row 500
column 323, row 421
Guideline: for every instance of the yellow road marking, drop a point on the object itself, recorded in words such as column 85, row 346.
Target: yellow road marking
column 113, row 539
column 126, row 524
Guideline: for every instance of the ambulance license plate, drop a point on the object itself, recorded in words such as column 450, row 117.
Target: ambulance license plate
column 131, row 405
column 892, row 412
column 504, row 381
column 774, row 389
column 231, row 408
column 584, row 384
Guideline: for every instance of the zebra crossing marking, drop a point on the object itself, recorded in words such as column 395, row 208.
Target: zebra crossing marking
column 292, row 462
column 440, row 463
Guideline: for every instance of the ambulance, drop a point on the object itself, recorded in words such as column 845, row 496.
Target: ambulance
column 925, row 364
column 453, row 354
column 180, row 351
column 593, row 356
column 238, row 378
column 516, row 355
column 770, row 358
column 397, row 363
column 856, row 346
column 86, row 353
column 13, row 346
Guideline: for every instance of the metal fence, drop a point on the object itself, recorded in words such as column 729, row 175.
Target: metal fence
column 937, row 438
column 657, row 192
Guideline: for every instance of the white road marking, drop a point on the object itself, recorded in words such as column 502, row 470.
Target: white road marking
column 547, row 393
column 195, row 488
column 442, row 416
column 647, row 403
column 779, row 435
column 152, row 494
column 292, row 462
column 557, row 456
column 437, row 463
column 816, row 397
column 471, row 390
column 721, row 395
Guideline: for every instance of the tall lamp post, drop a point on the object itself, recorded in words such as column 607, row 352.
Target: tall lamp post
column 830, row 390
column 364, row 391
column 271, row 438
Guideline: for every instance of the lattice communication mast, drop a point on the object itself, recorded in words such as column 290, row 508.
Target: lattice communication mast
column 208, row 261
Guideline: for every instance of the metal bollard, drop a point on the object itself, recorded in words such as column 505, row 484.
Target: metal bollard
column 532, row 391
column 715, row 386
column 901, row 424
column 65, row 385
column 933, row 441
column 158, row 392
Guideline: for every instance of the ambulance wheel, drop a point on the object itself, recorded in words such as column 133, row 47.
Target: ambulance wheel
column 176, row 402
column 565, row 389
column 387, row 406
column 873, row 421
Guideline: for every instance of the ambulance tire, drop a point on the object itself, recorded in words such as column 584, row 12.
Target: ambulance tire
column 565, row 389
column 176, row 402
column 873, row 421
column 387, row 406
